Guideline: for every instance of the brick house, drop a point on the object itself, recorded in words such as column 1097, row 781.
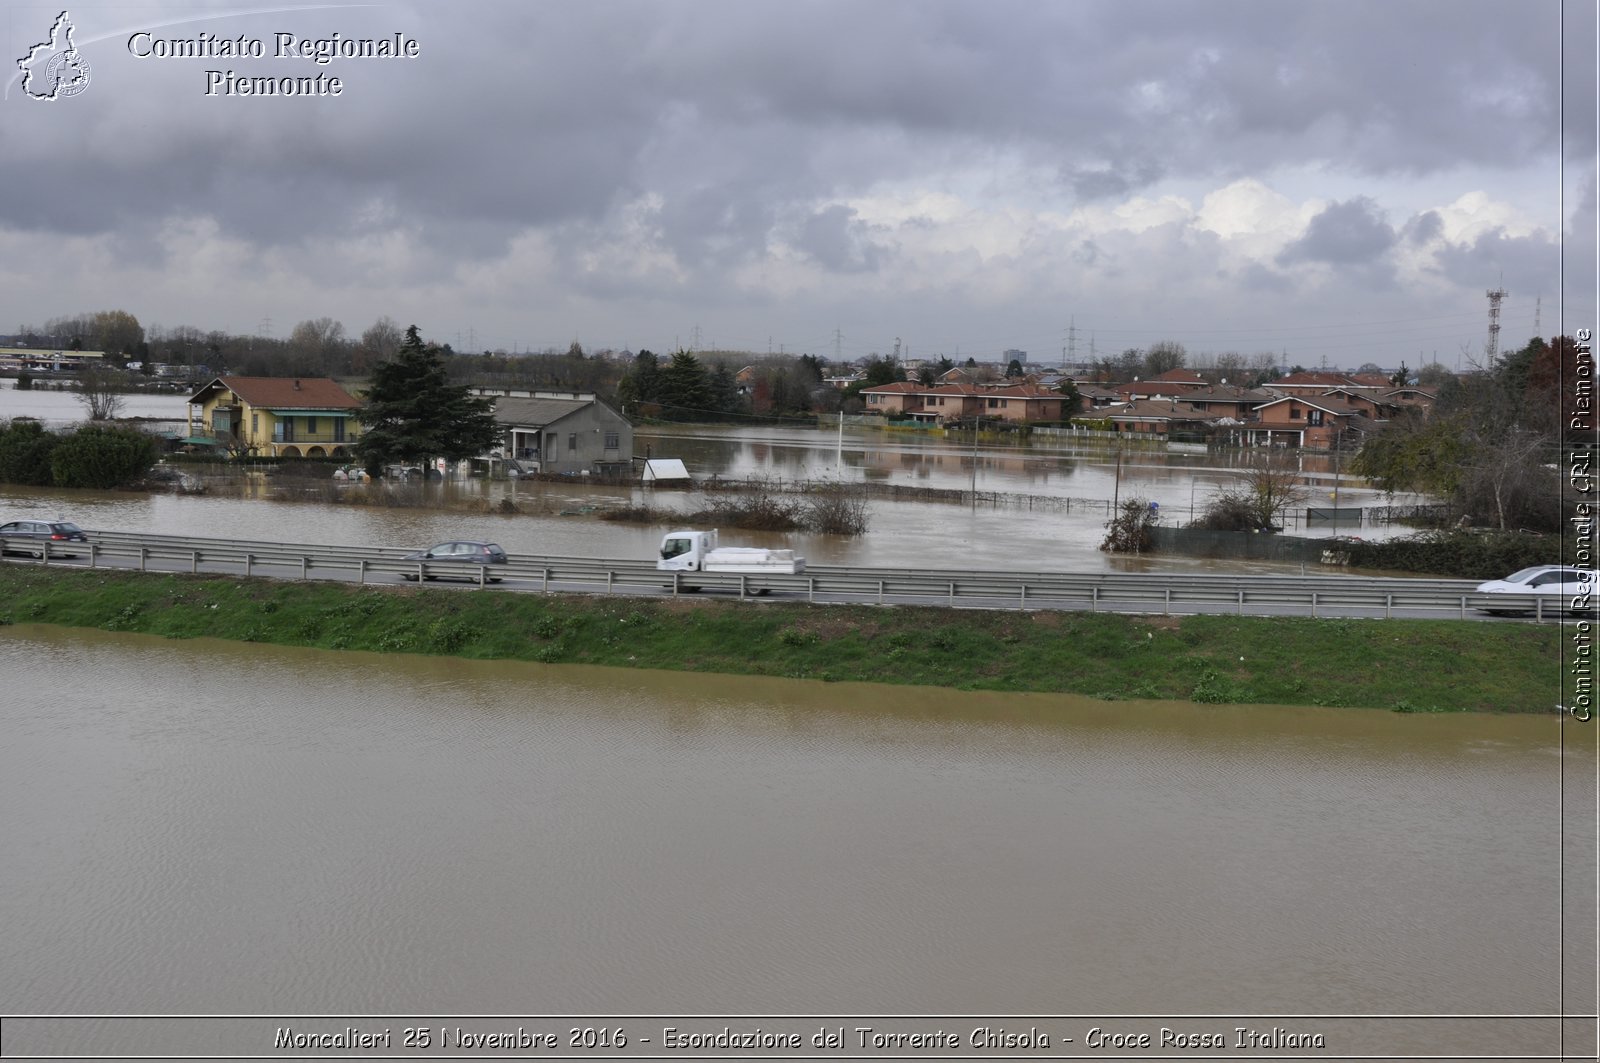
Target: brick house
column 1314, row 422
column 939, row 403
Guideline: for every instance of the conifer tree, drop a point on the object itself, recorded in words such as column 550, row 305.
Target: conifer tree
column 412, row 412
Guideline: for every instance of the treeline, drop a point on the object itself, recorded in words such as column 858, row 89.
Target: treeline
column 686, row 389
column 692, row 387
column 96, row 456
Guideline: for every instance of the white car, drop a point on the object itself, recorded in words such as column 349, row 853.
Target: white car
column 1556, row 587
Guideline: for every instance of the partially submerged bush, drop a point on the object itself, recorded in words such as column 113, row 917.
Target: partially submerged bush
column 1129, row 532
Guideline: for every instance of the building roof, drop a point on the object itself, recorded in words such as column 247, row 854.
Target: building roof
column 1025, row 391
column 1157, row 410
column 537, row 412
column 284, row 393
column 1179, row 376
column 1338, row 407
column 1227, row 393
column 1313, row 379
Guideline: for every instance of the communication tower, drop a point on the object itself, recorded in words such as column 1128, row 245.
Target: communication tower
column 1492, row 348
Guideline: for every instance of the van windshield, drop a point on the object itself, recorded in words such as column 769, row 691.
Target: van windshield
column 673, row 547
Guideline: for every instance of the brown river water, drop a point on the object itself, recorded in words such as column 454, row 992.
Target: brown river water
column 211, row 828
column 219, row 828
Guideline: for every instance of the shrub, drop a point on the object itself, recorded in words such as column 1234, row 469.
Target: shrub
column 25, row 453
column 102, row 457
column 1228, row 512
column 836, row 510
column 1464, row 554
column 1129, row 532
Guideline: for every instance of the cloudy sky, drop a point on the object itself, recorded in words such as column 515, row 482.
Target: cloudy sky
column 1336, row 180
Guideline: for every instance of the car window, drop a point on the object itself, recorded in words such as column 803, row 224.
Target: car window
column 1525, row 575
column 66, row 527
column 11, row 528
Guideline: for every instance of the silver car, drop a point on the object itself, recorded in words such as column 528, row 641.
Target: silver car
column 466, row 551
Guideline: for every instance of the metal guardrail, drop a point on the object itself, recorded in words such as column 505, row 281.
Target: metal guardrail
column 1176, row 593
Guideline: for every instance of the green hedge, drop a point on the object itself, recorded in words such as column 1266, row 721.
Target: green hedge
column 1466, row 554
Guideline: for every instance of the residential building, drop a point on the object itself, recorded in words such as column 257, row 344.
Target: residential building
column 572, row 435
column 284, row 417
column 1160, row 417
column 1316, row 422
column 939, row 403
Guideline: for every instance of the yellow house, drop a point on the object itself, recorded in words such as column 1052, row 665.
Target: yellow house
column 288, row 417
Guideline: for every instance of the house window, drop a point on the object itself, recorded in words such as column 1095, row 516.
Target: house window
column 994, row 404
column 1294, row 413
column 572, row 443
column 612, row 441
column 550, row 447
column 338, row 429
column 255, row 425
column 1314, row 418
column 311, row 427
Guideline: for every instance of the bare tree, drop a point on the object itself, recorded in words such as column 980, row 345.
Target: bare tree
column 1164, row 356
column 378, row 344
column 318, row 346
column 100, row 390
column 117, row 332
column 1259, row 500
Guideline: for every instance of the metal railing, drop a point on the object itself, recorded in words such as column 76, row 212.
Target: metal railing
column 1153, row 593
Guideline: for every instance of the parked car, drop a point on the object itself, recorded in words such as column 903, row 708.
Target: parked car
column 1557, row 587
column 464, row 550
column 34, row 537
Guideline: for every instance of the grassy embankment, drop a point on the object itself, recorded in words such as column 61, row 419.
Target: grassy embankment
column 1409, row 666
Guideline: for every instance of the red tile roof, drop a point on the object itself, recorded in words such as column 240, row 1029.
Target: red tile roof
column 300, row 393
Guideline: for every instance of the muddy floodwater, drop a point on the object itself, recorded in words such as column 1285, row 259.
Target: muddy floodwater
column 204, row 827
column 1046, row 505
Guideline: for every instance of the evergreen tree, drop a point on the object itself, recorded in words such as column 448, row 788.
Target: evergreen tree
column 685, row 389
column 725, row 398
column 641, row 383
column 413, row 413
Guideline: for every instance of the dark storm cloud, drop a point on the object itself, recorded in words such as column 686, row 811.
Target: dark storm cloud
column 1349, row 233
column 834, row 238
column 1423, row 228
column 1535, row 261
column 530, row 115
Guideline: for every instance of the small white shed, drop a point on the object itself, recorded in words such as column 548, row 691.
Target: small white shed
column 665, row 470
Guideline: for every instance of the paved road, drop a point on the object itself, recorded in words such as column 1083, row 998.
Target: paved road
column 1152, row 593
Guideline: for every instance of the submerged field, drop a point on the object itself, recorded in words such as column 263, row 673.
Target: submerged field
column 1405, row 665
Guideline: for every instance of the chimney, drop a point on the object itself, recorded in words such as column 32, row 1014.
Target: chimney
column 297, row 383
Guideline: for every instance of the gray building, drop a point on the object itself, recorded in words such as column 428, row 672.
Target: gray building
column 565, row 435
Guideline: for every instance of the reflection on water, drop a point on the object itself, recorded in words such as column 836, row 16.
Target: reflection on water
column 209, row 827
column 1051, row 538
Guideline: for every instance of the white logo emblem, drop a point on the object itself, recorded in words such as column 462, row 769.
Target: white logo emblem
column 55, row 68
